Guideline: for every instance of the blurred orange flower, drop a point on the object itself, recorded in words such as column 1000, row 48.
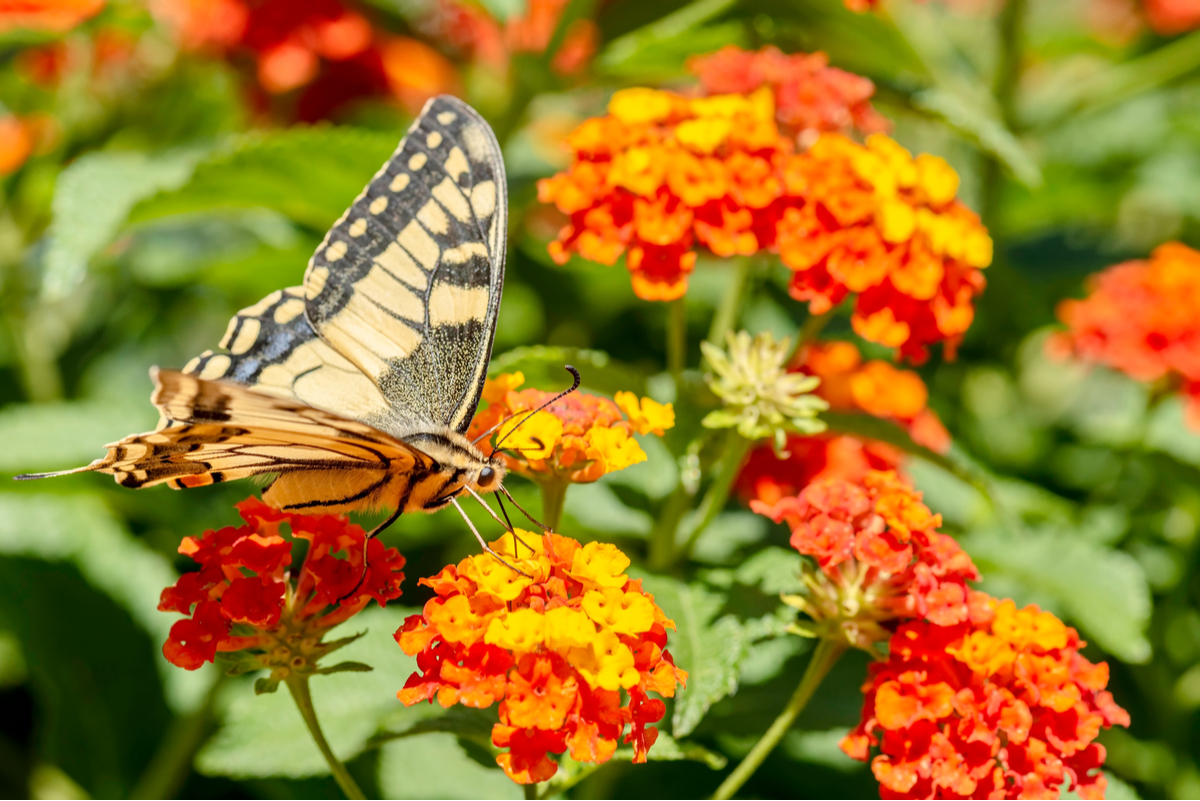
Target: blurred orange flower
column 469, row 27
column 880, row 556
column 811, row 97
column 578, row 438
column 556, row 648
column 999, row 705
column 56, row 16
column 1171, row 17
column 16, row 143
column 1142, row 318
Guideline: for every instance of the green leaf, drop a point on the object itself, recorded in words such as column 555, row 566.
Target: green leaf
column 776, row 569
column 463, row 722
column 265, row 685
column 309, row 174
column 81, row 530
column 710, row 650
column 265, row 735
column 669, row 40
column 543, row 368
column 1103, row 591
column 437, row 766
column 726, row 535
column 93, row 198
column 982, row 128
column 820, row 748
column 51, row 436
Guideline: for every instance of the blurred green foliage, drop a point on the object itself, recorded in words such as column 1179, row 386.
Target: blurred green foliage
column 160, row 209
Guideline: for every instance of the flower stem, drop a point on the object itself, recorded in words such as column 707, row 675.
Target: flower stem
column 554, row 494
column 172, row 761
column 677, row 336
column 823, row 658
column 736, row 447
column 298, row 686
column 531, row 791
column 661, row 550
column 727, row 315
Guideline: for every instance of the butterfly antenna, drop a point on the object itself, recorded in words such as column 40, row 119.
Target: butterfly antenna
column 558, row 397
column 532, row 519
column 370, row 536
column 483, row 544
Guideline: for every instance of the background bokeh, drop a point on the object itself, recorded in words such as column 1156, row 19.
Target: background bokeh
column 163, row 164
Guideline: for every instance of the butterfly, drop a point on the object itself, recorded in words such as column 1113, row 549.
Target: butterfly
column 355, row 390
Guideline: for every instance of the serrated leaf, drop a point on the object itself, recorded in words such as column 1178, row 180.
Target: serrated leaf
column 775, row 570
column 983, row 128
column 1104, row 592
column 710, row 650
column 92, row 199
column 308, row 174
column 80, row 529
column 543, row 368
column 265, row 735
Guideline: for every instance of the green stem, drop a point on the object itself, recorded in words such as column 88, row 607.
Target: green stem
column 172, row 761
column 726, row 317
column 677, row 336
column 662, row 538
column 531, row 792
column 297, row 684
column 554, row 494
column 1011, row 24
column 736, row 447
column 823, row 658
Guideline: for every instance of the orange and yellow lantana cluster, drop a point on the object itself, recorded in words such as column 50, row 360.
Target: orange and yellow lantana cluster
column 1143, row 318
column 556, row 648
column 999, row 705
column 578, row 438
column 663, row 172
column 848, row 384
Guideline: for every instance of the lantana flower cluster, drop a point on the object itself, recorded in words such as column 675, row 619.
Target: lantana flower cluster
column 557, row 648
column 848, row 384
column 998, row 705
column 245, row 598
column 56, row 17
column 880, row 557
column 1142, row 318
column 810, row 96
column 323, row 46
column 576, row 439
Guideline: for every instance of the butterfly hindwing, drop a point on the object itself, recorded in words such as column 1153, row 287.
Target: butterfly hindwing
column 214, row 431
column 407, row 284
column 271, row 348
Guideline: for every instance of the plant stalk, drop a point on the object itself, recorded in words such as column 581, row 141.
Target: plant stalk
column 824, row 656
column 677, row 337
column 727, row 314
column 169, row 767
column 531, row 791
column 297, row 684
column 554, row 495
column 736, row 447
column 661, row 552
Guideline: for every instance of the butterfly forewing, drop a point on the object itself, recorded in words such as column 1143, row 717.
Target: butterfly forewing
column 407, row 284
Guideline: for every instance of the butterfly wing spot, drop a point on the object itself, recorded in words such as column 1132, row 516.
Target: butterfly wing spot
column 260, row 308
column 401, row 301
column 359, row 227
column 434, row 139
column 456, row 165
column 399, row 183
column 457, row 305
column 446, row 117
column 338, row 249
column 378, row 204
column 215, row 367
column 316, row 281
column 464, row 253
column 247, row 335
column 483, row 199
column 417, row 161
column 449, row 195
column 433, row 218
column 288, row 311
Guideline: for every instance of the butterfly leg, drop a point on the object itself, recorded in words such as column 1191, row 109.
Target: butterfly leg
column 506, row 522
column 370, row 536
column 532, row 519
column 483, row 544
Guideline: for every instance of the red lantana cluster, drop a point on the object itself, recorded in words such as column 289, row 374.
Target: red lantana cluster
column 880, row 556
column 1171, row 17
column 1142, row 318
column 811, row 97
column 998, row 705
column 323, row 46
column 848, row 384
column 243, row 597
column 556, row 650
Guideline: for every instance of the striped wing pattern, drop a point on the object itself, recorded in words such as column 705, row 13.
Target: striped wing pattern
column 215, row 431
column 407, row 283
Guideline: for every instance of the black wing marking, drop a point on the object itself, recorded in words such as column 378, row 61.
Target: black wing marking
column 407, row 283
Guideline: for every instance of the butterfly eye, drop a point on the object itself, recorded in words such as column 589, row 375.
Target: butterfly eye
column 486, row 476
